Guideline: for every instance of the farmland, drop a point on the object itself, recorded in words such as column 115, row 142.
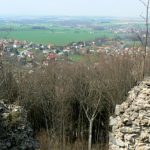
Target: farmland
column 61, row 31
column 57, row 38
column 55, row 35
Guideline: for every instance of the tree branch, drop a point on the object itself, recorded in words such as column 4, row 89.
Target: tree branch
column 143, row 3
column 142, row 17
column 86, row 112
column 95, row 112
column 1, row 83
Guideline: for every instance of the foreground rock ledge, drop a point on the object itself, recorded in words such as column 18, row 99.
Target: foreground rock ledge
column 131, row 124
column 15, row 131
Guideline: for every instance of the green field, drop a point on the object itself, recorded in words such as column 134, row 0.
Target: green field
column 76, row 58
column 55, row 35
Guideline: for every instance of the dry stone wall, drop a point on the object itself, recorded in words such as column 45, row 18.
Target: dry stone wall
column 15, row 131
column 130, row 126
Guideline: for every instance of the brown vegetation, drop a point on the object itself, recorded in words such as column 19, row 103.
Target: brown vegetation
column 63, row 98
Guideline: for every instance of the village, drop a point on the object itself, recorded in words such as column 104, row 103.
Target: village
column 30, row 54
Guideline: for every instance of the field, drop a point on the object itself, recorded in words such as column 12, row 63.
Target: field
column 61, row 31
column 57, row 35
column 56, row 31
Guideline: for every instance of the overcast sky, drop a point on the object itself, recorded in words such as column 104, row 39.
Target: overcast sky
column 120, row 8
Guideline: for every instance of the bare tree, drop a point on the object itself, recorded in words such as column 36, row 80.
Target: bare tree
column 91, row 114
column 144, row 41
column 89, row 94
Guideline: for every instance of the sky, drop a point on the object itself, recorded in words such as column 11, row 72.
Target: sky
column 117, row 8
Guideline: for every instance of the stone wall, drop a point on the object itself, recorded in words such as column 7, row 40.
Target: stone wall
column 130, row 126
column 15, row 131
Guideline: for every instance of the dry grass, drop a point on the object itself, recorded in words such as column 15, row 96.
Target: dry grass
column 46, row 144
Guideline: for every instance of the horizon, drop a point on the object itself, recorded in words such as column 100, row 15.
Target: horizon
column 7, row 16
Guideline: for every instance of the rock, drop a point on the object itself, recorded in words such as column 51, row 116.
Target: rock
column 131, row 124
column 134, row 116
column 136, row 122
column 130, row 130
column 112, row 121
column 15, row 131
column 130, row 137
column 120, row 143
column 142, row 146
column 145, row 122
column 127, row 122
column 125, row 105
column 117, row 110
column 144, row 137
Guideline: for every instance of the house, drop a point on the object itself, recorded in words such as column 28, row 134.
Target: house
column 66, row 51
column 45, row 51
column 27, row 54
column 50, row 46
column 92, row 51
column 16, row 44
column 51, row 56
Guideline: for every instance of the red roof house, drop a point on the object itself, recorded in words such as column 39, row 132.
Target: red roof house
column 51, row 57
